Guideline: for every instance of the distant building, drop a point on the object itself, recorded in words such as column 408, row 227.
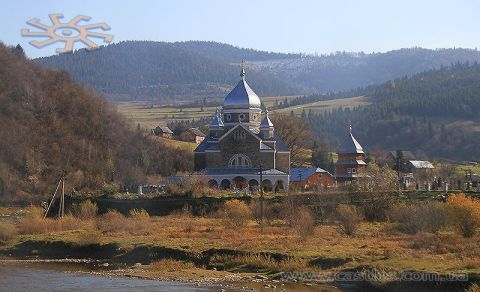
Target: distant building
column 163, row 131
column 241, row 147
column 393, row 157
column 193, row 135
column 351, row 159
column 422, row 173
column 310, row 178
column 419, row 165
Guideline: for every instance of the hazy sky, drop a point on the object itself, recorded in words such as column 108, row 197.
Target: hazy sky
column 284, row 26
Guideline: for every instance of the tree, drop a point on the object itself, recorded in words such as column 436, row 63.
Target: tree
column 296, row 135
column 321, row 154
column 376, row 188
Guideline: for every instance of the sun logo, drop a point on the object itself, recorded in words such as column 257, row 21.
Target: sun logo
column 66, row 32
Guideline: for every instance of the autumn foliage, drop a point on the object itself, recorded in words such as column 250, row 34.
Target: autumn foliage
column 48, row 124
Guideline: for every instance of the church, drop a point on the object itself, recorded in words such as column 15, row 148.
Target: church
column 241, row 149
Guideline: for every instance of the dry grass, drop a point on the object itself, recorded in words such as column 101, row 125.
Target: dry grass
column 171, row 265
column 89, row 236
column 374, row 243
column 7, row 231
column 259, row 262
column 84, row 210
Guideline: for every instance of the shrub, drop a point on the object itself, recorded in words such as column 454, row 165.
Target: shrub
column 235, row 213
column 7, row 231
column 84, row 210
column 464, row 213
column 421, row 216
column 138, row 221
column 377, row 206
column 33, row 222
column 112, row 221
column 348, row 218
column 271, row 211
column 303, row 223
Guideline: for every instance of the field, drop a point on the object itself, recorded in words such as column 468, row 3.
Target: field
column 176, row 143
column 185, row 247
column 321, row 106
column 149, row 116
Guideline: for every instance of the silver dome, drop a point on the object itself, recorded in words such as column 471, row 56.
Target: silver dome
column 242, row 96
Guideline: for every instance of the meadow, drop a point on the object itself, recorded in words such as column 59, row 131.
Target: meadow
column 150, row 116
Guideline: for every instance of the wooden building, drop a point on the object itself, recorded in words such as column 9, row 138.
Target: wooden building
column 193, row 135
column 163, row 131
column 310, row 178
column 351, row 159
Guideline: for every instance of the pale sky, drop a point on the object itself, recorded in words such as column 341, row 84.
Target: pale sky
column 305, row 26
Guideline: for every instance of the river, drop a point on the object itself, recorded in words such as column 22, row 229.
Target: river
column 54, row 276
column 36, row 278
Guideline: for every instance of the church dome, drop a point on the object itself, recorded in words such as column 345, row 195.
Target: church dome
column 242, row 96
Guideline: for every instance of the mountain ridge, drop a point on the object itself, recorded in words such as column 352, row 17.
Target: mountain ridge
column 146, row 70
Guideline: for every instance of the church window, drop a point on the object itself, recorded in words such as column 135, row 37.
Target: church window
column 354, row 170
column 239, row 135
column 239, row 160
column 228, row 117
column 241, row 117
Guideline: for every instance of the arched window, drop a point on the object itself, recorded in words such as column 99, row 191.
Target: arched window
column 239, row 160
column 239, row 135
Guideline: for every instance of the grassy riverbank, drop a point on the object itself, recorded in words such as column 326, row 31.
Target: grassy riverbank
column 185, row 247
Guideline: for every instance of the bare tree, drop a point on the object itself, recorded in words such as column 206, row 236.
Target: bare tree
column 377, row 190
column 296, row 135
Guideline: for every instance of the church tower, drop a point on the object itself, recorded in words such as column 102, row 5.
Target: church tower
column 351, row 159
column 216, row 126
column 266, row 127
column 242, row 105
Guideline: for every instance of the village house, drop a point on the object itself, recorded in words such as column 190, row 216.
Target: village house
column 241, row 150
column 193, row 135
column 422, row 173
column 310, row 178
column 163, row 131
column 397, row 159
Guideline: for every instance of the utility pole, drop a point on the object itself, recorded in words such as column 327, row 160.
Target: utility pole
column 301, row 182
column 261, row 195
column 61, row 206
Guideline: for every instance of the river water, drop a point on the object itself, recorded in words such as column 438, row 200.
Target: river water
column 33, row 278
column 54, row 276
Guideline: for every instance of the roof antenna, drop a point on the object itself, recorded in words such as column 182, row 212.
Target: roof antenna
column 242, row 73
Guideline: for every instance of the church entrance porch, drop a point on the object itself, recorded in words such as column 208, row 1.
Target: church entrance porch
column 247, row 178
column 253, row 185
column 225, row 184
column 240, row 183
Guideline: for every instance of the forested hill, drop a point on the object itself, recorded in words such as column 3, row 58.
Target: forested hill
column 196, row 69
column 434, row 114
column 152, row 70
column 231, row 54
column 49, row 124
